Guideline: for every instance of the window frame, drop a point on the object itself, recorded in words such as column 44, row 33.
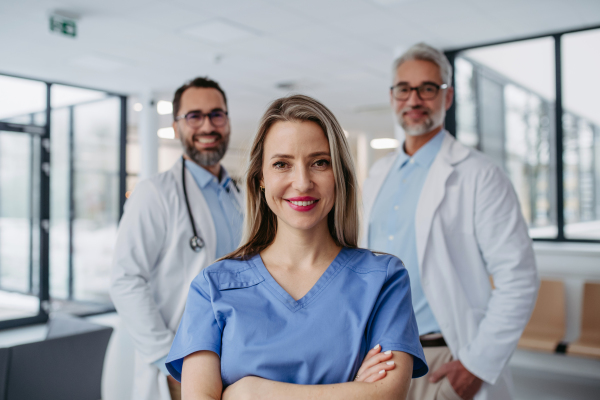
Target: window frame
column 450, row 122
column 45, row 134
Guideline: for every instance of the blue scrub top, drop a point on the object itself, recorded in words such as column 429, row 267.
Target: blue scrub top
column 237, row 310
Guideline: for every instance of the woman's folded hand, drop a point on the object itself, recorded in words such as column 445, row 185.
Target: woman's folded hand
column 375, row 366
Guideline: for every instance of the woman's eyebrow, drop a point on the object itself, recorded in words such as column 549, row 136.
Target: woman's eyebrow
column 320, row 153
column 282, row 156
column 317, row 154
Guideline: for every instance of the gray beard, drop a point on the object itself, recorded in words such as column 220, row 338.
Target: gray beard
column 205, row 158
column 432, row 122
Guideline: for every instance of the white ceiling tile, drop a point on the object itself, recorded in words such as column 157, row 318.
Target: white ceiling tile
column 327, row 11
column 219, row 31
column 168, row 16
column 270, row 19
column 98, row 63
column 219, row 7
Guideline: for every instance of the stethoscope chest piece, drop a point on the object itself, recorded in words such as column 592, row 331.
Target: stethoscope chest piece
column 196, row 243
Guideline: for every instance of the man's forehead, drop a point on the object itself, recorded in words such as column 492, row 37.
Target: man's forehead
column 418, row 71
column 203, row 99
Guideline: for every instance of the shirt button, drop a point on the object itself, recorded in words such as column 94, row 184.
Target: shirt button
column 396, row 207
column 412, row 160
column 391, row 237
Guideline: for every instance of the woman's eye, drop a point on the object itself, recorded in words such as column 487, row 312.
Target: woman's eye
column 279, row 165
column 321, row 163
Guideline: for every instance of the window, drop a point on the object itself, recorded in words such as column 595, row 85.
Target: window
column 507, row 99
column 84, row 192
column 581, row 134
column 61, row 195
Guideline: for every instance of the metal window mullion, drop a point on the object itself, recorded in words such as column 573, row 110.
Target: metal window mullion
column 450, row 121
column 71, row 189
column 31, row 206
column 560, row 216
column 45, row 210
column 123, row 156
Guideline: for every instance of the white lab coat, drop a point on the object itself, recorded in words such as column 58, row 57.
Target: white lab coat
column 154, row 265
column 469, row 227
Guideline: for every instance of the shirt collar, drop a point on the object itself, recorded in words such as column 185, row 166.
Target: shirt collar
column 203, row 177
column 425, row 155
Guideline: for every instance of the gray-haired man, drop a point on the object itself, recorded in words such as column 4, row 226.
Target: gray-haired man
column 453, row 217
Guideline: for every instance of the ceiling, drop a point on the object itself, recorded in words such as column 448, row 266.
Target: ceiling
column 338, row 51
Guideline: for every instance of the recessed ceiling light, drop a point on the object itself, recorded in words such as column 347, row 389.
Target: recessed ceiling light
column 164, row 107
column 219, row 31
column 166, row 133
column 384, row 143
column 138, row 107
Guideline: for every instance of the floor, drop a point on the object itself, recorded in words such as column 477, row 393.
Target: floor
column 536, row 385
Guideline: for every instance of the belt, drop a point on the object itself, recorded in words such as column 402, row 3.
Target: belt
column 432, row 340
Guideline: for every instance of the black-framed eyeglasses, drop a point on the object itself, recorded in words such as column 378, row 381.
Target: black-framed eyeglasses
column 425, row 91
column 194, row 119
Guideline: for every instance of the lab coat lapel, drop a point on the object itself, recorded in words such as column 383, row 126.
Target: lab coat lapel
column 434, row 190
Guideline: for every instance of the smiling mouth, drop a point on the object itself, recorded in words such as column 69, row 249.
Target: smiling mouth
column 415, row 113
column 206, row 139
column 303, row 203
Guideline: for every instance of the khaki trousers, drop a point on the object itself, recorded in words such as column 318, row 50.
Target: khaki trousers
column 174, row 388
column 421, row 389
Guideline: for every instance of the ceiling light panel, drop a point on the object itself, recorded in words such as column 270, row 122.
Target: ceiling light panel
column 219, row 31
column 384, row 143
column 166, row 133
column 164, row 107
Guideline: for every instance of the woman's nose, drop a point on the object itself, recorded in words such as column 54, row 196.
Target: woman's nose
column 302, row 180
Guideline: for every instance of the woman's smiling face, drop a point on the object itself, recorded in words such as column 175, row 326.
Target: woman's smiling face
column 297, row 174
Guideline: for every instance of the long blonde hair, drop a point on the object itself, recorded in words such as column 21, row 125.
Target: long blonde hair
column 260, row 223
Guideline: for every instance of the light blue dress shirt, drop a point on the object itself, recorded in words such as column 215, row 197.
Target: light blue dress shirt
column 392, row 224
column 237, row 310
column 225, row 211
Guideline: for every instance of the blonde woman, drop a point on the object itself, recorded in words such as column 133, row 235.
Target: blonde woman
column 293, row 312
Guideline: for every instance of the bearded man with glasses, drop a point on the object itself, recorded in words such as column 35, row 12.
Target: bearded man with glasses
column 452, row 216
column 174, row 225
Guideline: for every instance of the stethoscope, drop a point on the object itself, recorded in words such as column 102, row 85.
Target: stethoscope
column 196, row 242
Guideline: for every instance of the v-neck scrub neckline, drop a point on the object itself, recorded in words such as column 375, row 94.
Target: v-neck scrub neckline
column 237, row 310
column 292, row 304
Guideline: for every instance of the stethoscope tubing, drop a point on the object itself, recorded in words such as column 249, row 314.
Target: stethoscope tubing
column 196, row 242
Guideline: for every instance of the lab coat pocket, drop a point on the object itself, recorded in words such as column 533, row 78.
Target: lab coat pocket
column 457, row 211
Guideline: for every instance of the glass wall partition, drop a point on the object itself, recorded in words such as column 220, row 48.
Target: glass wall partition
column 581, row 134
column 531, row 106
column 61, row 192
column 22, row 127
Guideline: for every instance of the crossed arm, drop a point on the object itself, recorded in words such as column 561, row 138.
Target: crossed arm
column 201, row 377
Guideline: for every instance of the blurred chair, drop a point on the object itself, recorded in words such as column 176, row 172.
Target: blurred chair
column 67, row 365
column 546, row 328
column 588, row 344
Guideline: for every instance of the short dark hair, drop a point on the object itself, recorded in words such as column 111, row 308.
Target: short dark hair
column 200, row 82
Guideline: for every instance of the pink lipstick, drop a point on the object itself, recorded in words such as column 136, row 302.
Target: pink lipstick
column 303, row 203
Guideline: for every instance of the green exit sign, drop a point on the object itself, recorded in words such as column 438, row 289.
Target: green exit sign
column 63, row 25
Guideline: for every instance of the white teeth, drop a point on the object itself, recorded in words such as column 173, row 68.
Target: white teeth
column 302, row 203
column 207, row 139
